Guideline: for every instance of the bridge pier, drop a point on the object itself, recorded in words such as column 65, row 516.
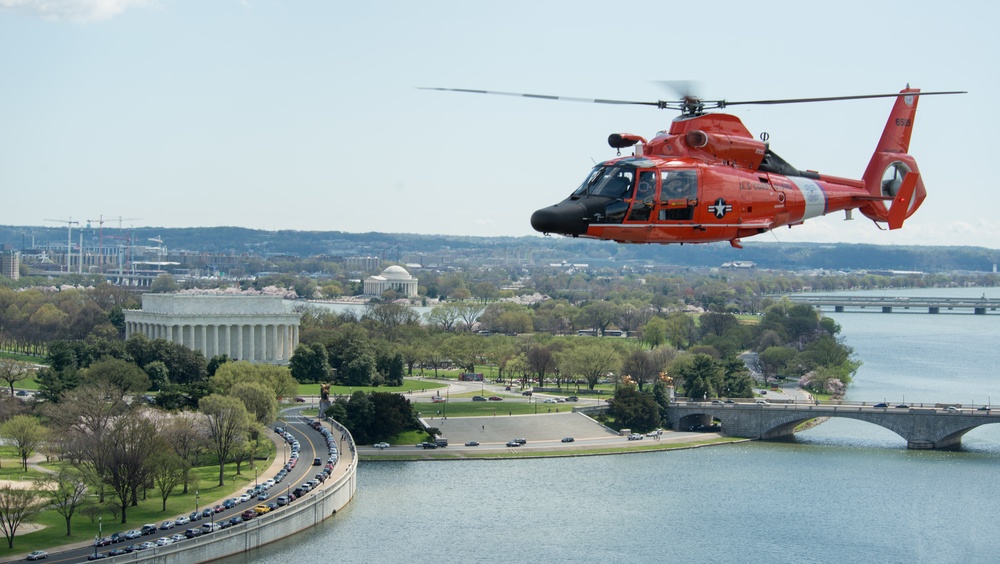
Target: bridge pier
column 886, row 309
column 838, row 309
column 979, row 311
column 933, row 310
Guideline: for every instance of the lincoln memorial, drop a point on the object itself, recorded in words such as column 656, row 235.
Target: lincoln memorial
column 252, row 328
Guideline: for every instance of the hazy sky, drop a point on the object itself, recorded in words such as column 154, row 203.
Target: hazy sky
column 305, row 114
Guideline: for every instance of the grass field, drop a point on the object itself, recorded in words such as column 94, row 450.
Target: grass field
column 148, row 511
column 408, row 386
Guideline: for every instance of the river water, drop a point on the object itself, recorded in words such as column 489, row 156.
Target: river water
column 845, row 491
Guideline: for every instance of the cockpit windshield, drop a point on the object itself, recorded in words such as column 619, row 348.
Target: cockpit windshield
column 608, row 181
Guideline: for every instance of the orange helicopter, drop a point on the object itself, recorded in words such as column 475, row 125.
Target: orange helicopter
column 708, row 179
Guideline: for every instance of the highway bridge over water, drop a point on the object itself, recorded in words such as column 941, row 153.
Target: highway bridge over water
column 890, row 304
column 934, row 427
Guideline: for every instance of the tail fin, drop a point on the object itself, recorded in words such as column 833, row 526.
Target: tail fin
column 892, row 173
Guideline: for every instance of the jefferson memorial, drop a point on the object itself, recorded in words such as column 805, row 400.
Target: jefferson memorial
column 393, row 278
column 252, row 328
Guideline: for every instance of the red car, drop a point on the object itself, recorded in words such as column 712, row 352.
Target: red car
column 496, row 398
column 248, row 514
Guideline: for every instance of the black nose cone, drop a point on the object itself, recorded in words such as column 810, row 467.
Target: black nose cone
column 566, row 218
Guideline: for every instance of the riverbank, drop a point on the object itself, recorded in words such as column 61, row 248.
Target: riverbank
column 556, row 452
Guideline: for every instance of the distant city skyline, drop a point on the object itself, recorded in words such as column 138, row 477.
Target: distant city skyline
column 307, row 116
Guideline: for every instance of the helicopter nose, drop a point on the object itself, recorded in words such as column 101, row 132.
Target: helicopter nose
column 566, row 218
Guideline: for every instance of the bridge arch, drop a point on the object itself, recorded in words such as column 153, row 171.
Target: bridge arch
column 920, row 428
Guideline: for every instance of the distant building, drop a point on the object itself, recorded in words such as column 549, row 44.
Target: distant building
column 251, row 328
column 393, row 278
column 362, row 264
column 739, row 265
column 10, row 264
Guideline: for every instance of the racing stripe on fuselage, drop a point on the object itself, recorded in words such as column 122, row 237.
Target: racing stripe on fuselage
column 812, row 195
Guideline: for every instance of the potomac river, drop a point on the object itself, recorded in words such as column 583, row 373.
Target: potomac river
column 844, row 491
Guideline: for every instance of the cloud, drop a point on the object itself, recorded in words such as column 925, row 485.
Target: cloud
column 73, row 10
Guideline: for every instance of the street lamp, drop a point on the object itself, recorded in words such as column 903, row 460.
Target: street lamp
column 99, row 532
column 196, row 498
column 255, row 476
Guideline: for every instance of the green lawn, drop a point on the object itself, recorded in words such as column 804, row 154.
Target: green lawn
column 489, row 408
column 148, row 511
column 408, row 385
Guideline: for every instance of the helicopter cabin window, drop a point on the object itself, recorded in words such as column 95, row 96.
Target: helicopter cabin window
column 679, row 194
column 645, row 196
column 608, row 181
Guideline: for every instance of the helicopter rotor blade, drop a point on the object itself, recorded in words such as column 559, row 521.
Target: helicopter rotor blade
column 724, row 103
column 544, row 96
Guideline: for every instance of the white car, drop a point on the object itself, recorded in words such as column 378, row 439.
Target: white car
column 164, row 541
column 381, row 445
column 244, row 498
column 38, row 555
column 763, row 402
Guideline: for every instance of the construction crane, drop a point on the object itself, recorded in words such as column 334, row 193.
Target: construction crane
column 100, row 233
column 69, row 242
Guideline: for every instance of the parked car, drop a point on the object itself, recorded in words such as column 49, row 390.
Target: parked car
column 164, row 541
column 136, row 533
column 235, row 520
column 572, row 398
column 97, row 556
column 192, row 533
column 149, row 529
column 145, row 545
column 261, row 509
column 478, row 398
column 282, row 500
column 178, row 537
column 38, row 555
column 103, row 541
column 182, row 520
column 166, row 525
column 248, row 514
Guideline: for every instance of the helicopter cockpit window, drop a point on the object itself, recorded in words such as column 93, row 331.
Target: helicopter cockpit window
column 678, row 194
column 607, row 181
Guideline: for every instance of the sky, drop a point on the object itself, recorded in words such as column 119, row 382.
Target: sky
column 306, row 114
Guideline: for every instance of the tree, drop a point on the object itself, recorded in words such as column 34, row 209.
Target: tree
column 702, row 376
column 117, row 374
column 774, row 360
column 168, row 471
column 25, row 433
column 17, row 507
column 310, row 363
column 66, row 491
column 131, row 443
column 634, row 410
column 13, row 371
column 643, row 367
column 164, row 284
column 654, row 333
column 259, row 400
column 186, row 436
column 591, row 360
column 228, row 423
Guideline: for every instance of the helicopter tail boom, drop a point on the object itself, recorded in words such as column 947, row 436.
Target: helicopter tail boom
column 892, row 174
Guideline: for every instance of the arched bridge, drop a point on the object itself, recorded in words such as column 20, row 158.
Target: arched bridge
column 922, row 427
